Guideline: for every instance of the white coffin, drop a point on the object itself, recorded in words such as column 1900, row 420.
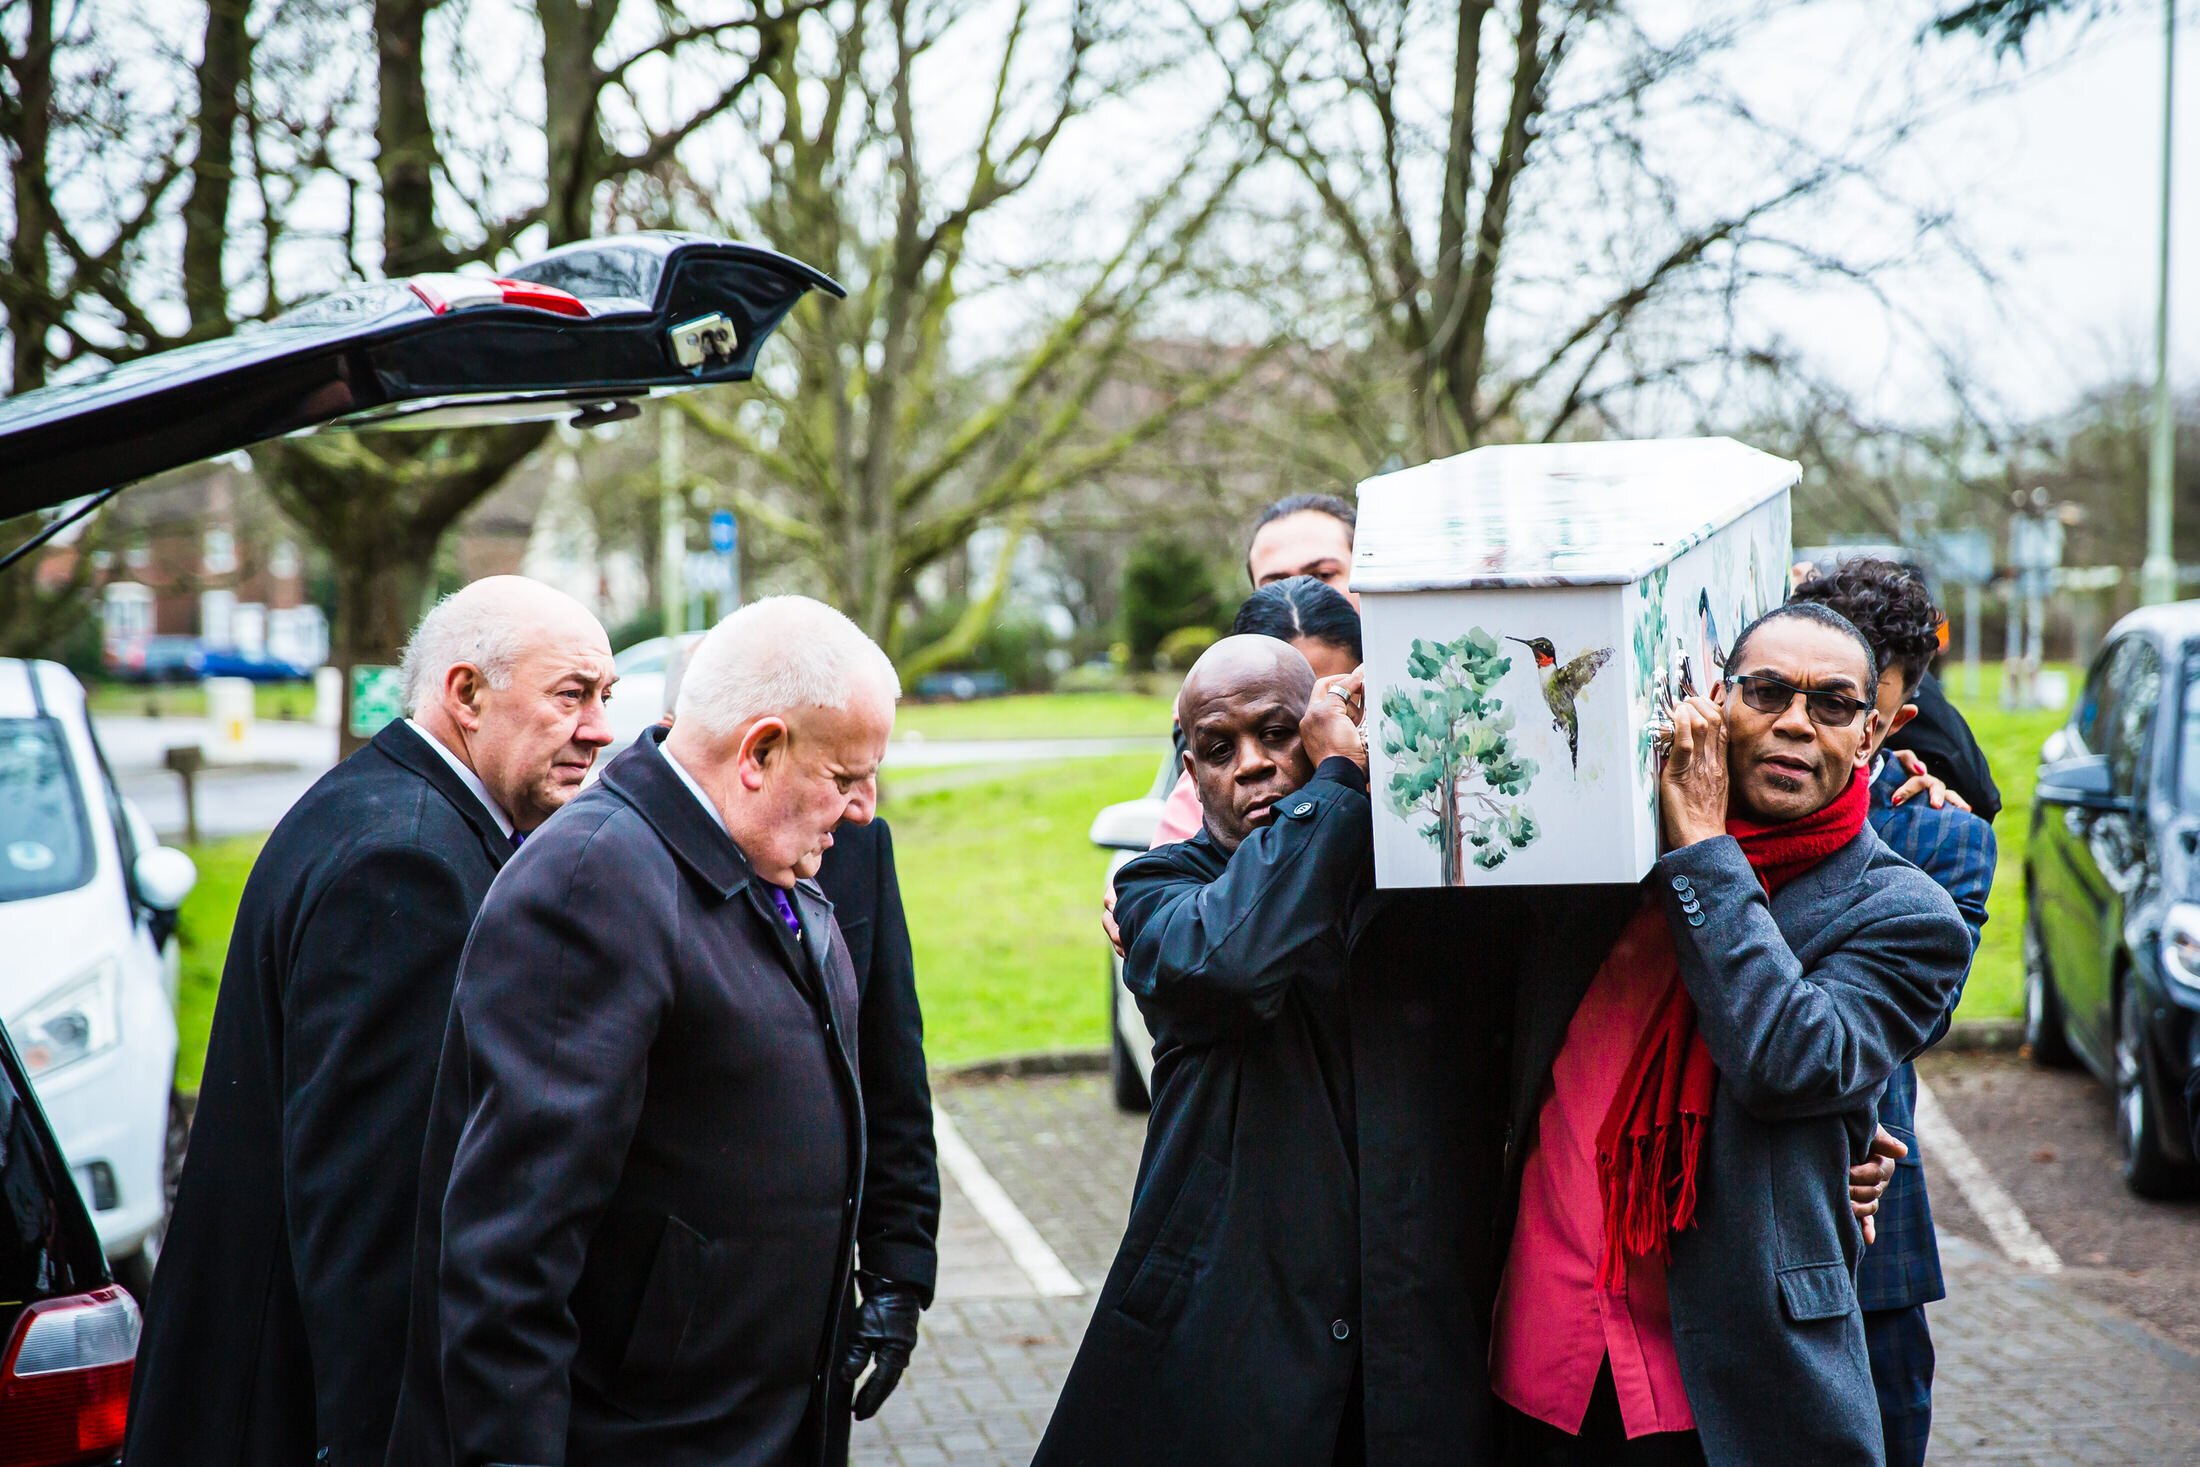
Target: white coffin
column 1636, row 562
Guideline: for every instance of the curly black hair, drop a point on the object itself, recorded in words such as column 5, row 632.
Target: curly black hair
column 1889, row 603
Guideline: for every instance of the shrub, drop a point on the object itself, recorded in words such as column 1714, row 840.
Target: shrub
column 1167, row 586
column 1014, row 645
column 1181, row 648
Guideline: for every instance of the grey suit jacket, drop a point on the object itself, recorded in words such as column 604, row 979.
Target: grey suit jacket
column 1807, row 1003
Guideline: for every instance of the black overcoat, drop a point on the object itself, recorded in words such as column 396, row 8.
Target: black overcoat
column 647, row 1145
column 897, row 1234
column 276, row 1325
column 898, row 1229
column 1316, row 1198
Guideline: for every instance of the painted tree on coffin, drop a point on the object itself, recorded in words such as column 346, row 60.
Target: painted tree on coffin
column 1449, row 739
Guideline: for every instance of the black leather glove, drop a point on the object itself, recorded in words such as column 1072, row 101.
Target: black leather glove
column 885, row 1333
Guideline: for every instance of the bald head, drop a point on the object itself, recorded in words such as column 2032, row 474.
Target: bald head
column 511, row 676
column 1236, row 663
column 1240, row 709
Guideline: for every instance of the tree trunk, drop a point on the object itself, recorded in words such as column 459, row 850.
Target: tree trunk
column 223, row 67
column 1462, row 382
column 1450, row 819
column 404, row 134
column 32, row 310
column 378, row 598
column 571, row 33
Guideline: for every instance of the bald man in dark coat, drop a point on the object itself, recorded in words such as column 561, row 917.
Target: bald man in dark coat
column 1306, row 1275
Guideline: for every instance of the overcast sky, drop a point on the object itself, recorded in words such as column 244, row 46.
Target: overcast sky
column 2054, row 179
column 2060, row 177
column 2050, row 171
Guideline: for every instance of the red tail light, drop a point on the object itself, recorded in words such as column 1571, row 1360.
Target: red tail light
column 65, row 1380
column 541, row 297
column 444, row 293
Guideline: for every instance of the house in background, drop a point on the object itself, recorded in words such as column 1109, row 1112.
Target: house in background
column 541, row 522
column 200, row 560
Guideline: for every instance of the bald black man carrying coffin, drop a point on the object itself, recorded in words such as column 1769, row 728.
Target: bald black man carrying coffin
column 1248, row 1318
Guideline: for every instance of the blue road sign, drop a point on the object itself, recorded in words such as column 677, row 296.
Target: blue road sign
column 725, row 533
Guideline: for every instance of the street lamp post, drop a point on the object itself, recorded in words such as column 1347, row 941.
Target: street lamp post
column 2160, row 571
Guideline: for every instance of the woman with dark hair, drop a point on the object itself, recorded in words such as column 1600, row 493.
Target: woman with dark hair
column 1313, row 617
column 1309, row 614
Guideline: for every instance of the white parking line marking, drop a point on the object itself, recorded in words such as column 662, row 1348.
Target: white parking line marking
column 1001, row 1213
column 2013, row 1232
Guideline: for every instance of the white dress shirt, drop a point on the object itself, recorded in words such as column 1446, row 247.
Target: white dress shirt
column 466, row 777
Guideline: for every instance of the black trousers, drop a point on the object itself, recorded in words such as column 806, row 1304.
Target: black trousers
column 1527, row 1442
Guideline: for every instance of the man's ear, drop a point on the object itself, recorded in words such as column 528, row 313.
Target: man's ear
column 1718, row 693
column 1189, row 773
column 463, row 686
column 1902, row 716
column 763, row 741
column 1867, row 744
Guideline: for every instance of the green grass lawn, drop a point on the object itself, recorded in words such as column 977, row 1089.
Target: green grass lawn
column 1001, row 886
column 202, row 930
column 1039, row 716
column 277, row 701
column 2012, row 744
column 1003, row 894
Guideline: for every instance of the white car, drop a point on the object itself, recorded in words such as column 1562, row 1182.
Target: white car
column 638, row 698
column 1127, row 829
column 88, row 899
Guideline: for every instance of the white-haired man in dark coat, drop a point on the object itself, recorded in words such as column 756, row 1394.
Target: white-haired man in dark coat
column 276, row 1329
column 646, row 1153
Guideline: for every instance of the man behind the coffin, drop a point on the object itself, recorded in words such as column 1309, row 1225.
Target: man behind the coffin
column 1227, row 1330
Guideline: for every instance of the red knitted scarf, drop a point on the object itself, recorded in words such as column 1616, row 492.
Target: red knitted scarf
column 1652, row 1136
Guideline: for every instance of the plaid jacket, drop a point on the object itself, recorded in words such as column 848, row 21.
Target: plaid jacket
column 1957, row 850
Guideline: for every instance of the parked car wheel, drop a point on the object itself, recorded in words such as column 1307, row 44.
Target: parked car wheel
column 2147, row 1168
column 2043, row 1010
column 1123, row 1077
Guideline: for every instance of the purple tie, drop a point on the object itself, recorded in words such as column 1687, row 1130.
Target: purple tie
column 786, row 910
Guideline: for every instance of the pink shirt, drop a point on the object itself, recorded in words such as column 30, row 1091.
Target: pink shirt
column 1554, row 1326
column 1181, row 816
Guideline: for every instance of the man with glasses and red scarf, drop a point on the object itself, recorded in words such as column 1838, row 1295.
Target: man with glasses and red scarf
column 1696, row 1063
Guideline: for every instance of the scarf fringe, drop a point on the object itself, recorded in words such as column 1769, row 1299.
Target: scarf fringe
column 1634, row 1181
column 1651, row 1142
column 1693, row 1128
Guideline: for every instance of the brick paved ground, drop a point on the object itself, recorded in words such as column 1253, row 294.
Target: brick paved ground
column 2031, row 1369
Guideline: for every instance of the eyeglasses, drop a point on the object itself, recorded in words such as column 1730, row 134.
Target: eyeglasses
column 1827, row 710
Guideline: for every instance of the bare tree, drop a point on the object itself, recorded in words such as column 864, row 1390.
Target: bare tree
column 2009, row 23
column 880, row 454
column 300, row 124
column 1504, row 190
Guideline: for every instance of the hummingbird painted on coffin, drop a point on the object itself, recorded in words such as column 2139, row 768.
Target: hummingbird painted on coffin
column 1562, row 685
